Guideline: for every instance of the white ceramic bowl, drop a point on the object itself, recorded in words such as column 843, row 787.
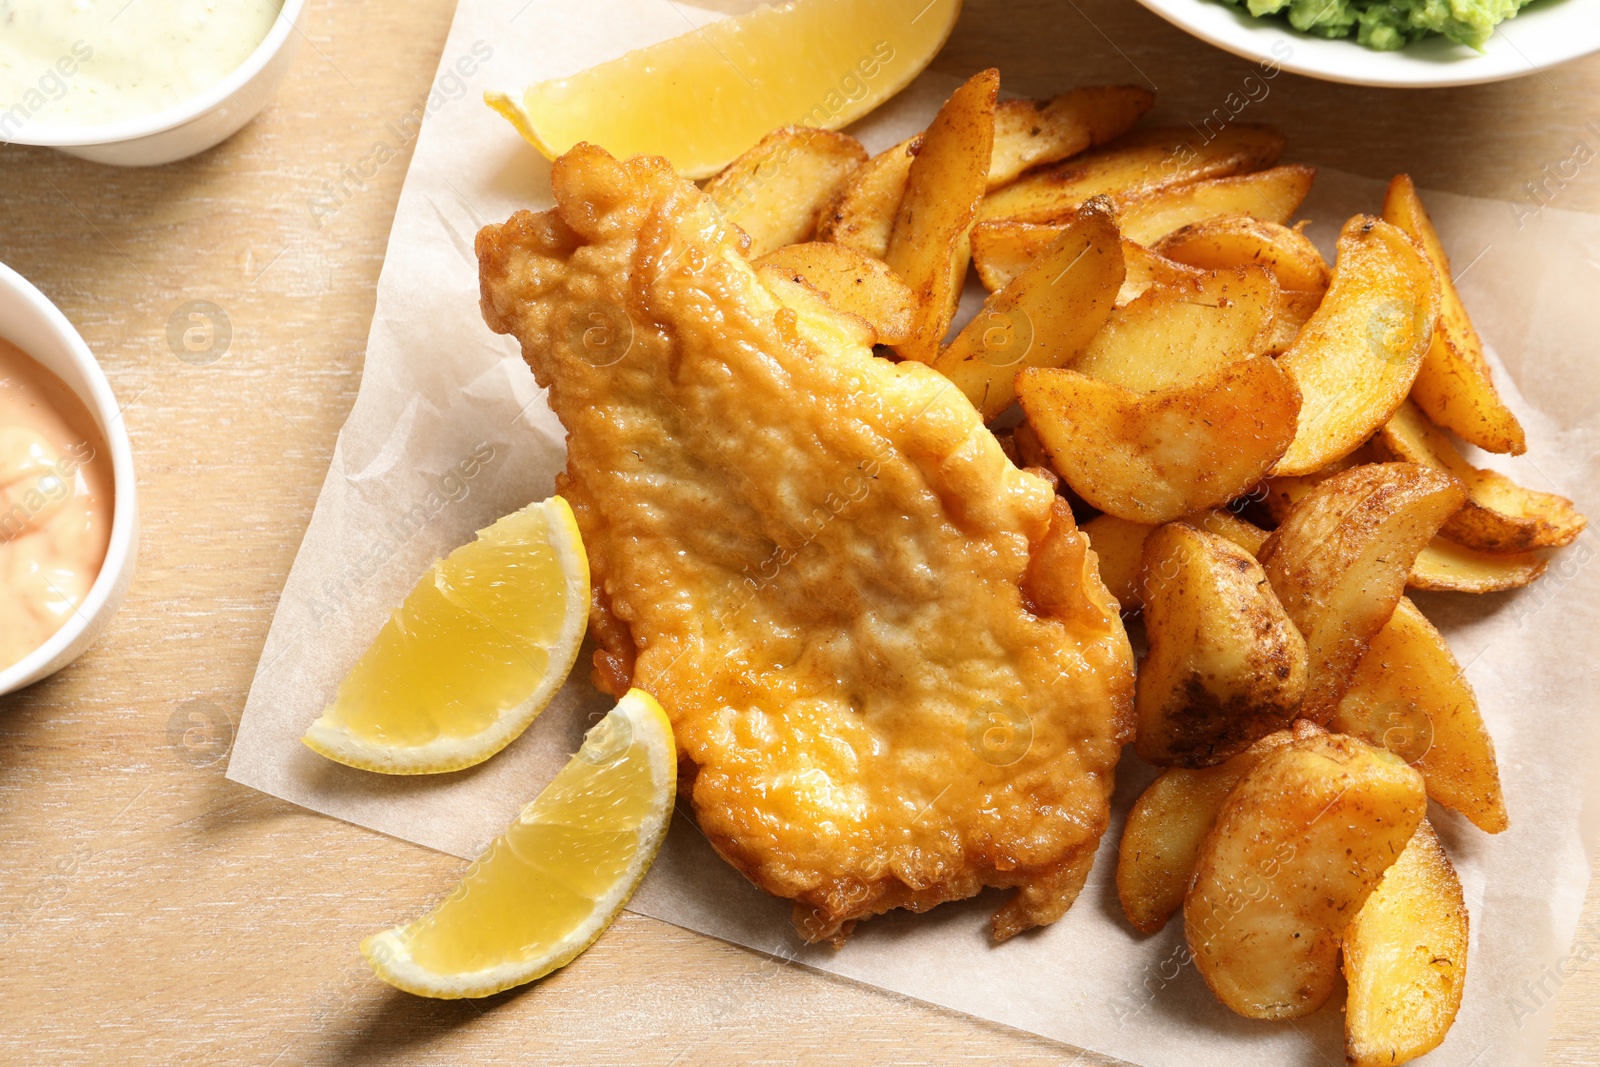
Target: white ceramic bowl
column 31, row 322
column 1544, row 34
column 194, row 125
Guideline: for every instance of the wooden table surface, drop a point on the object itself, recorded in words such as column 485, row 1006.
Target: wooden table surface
column 153, row 912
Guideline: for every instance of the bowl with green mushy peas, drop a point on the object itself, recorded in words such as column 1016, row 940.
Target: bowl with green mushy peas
column 139, row 82
column 1395, row 43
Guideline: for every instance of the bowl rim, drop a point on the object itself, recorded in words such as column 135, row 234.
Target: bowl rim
column 1220, row 25
column 120, row 549
column 72, row 135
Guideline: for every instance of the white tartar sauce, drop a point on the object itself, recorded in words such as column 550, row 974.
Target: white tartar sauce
column 86, row 62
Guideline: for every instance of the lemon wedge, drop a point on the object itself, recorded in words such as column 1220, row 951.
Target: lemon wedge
column 554, row 881
column 473, row 655
column 703, row 98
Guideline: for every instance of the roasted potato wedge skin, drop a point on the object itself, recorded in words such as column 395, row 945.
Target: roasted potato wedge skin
column 1405, row 958
column 1167, row 824
column 1161, row 841
column 928, row 247
column 1409, row 695
column 862, row 211
column 775, row 191
column 1442, row 565
column 854, row 282
column 1027, row 133
column 1296, row 849
column 1499, row 515
column 1340, row 560
column 1356, row 358
column 1153, row 457
column 1120, row 546
column 814, row 315
column 1273, row 195
column 1453, row 385
column 1173, row 334
column 1448, row 567
column 1003, row 250
column 1147, row 270
column 1225, row 524
column 1031, row 133
column 1240, row 241
column 1235, row 241
column 1226, row 667
column 1290, row 315
column 1141, row 161
column 1044, row 318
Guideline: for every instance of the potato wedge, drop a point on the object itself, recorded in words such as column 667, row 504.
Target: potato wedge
column 928, row 247
column 1408, row 695
column 1272, row 195
column 1161, row 841
column 1226, row 667
column 1340, row 560
column 862, row 212
column 816, row 317
column 775, row 191
column 1499, row 515
column 1453, row 385
column 1152, row 457
column 1027, row 133
column 1030, row 133
column 854, row 282
column 1240, row 241
column 1289, row 316
column 1448, row 567
column 1356, row 358
column 1119, row 544
column 1298, row 846
column 1279, row 495
column 1167, row 824
column 1138, row 162
column 1405, row 958
column 1146, row 270
column 1003, row 250
column 1442, row 565
column 1044, row 318
column 1175, row 334
column 1229, row 526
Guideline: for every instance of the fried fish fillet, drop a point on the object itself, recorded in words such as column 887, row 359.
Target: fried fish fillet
column 893, row 673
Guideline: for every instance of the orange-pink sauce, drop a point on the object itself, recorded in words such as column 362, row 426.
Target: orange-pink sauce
column 55, row 503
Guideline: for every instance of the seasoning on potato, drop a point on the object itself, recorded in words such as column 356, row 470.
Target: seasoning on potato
column 1185, row 361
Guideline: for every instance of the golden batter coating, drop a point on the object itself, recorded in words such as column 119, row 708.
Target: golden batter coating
column 892, row 670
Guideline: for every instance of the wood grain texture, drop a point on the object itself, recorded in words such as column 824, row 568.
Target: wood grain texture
column 152, row 912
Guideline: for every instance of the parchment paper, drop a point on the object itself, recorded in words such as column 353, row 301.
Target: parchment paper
column 449, row 432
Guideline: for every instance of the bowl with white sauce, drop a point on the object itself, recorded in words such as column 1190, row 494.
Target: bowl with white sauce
column 139, row 82
column 69, row 525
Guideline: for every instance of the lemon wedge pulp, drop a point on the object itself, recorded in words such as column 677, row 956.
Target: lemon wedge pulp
column 477, row 650
column 703, row 98
column 553, row 882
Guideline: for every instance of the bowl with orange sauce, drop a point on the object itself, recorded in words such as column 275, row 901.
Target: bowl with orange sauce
column 69, row 526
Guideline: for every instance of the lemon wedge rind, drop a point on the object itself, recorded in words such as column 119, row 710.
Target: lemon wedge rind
column 703, row 97
column 329, row 738
column 650, row 739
